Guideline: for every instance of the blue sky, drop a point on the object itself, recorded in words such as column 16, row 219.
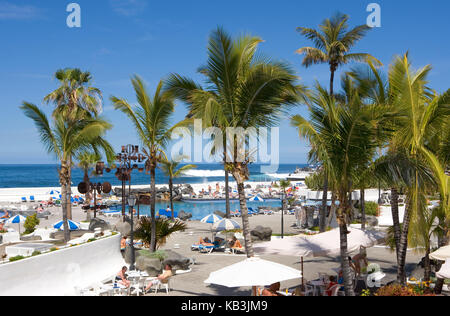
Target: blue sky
column 119, row 38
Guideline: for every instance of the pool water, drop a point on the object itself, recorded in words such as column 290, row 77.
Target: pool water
column 200, row 209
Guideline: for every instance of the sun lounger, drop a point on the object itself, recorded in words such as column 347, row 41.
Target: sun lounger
column 24, row 199
column 238, row 250
column 210, row 249
column 83, row 239
column 32, row 198
column 235, row 214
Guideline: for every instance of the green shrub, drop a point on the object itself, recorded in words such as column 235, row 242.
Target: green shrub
column 159, row 254
column 16, row 258
column 371, row 208
column 164, row 228
column 35, row 253
column 30, row 224
column 53, row 249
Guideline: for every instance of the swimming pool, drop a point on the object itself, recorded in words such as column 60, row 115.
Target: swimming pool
column 200, row 209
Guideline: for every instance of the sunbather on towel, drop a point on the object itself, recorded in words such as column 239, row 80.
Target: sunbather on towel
column 162, row 278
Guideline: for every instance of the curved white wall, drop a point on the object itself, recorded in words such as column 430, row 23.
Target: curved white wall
column 58, row 273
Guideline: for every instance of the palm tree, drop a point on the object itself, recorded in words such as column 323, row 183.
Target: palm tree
column 74, row 99
column 173, row 170
column 151, row 119
column 333, row 43
column 243, row 91
column 344, row 134
column 65, row 142
column 423, row 116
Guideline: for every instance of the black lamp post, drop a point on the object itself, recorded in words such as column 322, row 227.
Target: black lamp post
column 131, row 204
column 127, row 161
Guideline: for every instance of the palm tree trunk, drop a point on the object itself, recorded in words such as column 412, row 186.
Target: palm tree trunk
column 345, row 264
column 227, row 194
column 69, row 190
column 171, row 196
column 332, row 81
column 395, row 218
column 362, row 202
column 332, row 209
column 323, row 210
column 153, row 208
column 64, row 179
column 403, row 245
column 427, row 265
column 245, row 221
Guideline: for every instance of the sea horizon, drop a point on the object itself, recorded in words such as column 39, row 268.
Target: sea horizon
column 46, row 175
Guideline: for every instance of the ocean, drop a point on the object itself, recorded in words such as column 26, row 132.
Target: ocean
column 30, row 176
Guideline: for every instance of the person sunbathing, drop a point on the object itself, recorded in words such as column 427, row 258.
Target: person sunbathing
column 122, row 278
column 162, row 278
column 235, row 243
column 6, row 215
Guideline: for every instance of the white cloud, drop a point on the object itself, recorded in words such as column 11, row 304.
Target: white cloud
column 128, row 7
column 10, row 11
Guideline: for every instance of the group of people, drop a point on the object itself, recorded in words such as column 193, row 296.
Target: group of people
column 232, row 243
column 163, row 278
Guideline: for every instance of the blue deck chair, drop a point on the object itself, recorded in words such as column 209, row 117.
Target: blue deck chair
column 24, row 199
column 32, row 198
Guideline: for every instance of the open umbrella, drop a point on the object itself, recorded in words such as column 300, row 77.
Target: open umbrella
column 441, row 254
column 320, row 245
column 72, row 225
column 444, row 272
column 253, row 272
column 226, row 224
column 17, row 219
column 256, row 198
column 211, row 219
column 53, row 192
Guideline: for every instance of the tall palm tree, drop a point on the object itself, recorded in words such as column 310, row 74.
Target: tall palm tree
column 173, row 170
column 151, row 120
column 423, row 115
column 242, row 91
column 65, row 141
column 345, row 135
column 74, row 99
column 333, row 42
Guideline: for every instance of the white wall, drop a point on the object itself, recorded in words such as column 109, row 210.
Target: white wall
column 57, row 273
